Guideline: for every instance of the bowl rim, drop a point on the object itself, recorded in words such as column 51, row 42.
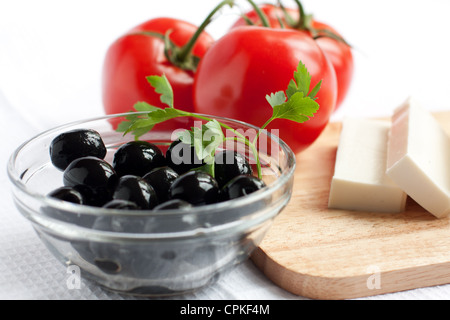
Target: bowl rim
column 15, row 177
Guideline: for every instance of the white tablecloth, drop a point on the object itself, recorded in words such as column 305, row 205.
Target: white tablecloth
column 51, row 54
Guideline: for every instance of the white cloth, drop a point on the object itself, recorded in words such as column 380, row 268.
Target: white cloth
column 51, row 55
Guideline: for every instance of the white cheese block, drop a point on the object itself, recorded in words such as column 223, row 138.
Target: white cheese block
column 419, row 157
column 360, row 181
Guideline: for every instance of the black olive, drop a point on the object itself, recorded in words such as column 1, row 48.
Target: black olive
column 108, row 266
column 96, row 197
column 93, row 176
column 137, row 158
column 241, row 186
column 161, row 179
column 90, row 171
column 135, row 189
column 195, row 187
column 68, row 194
column 229, row 164
column 75, row 144
column 181, row 157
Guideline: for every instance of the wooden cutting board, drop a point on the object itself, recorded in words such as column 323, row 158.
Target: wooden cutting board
column 319, row 253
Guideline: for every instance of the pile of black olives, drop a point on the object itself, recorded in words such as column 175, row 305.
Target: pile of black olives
column 141, row 176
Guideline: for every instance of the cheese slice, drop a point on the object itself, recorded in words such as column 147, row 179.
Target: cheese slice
column 360, row 181
column 418, row 158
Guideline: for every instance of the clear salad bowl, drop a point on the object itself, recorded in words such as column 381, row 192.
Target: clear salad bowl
column 179, row 251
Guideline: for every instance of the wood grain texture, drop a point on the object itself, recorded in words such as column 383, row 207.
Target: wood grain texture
column 319, row 253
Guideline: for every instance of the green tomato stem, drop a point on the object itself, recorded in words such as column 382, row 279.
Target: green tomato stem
column 150, row 34
column 186, row 50
column 302, row 22
column 289, row 20
column 305, row 23
column 264, row 21
column 247, row 20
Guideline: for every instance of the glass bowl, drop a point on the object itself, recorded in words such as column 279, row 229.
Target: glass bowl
column 179, row 251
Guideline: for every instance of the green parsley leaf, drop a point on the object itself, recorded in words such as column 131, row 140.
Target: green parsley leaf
column 140, row 123
column 314, row 91
column 205, row 140
column 300, row 105
column 301, row 81
column 156, row 116
column 142, row 106
column 298, row 108
column 163, row 87
column 215, row 136
column 276, row 98
column 125, row 124
column 129, row 124
column 141, row 131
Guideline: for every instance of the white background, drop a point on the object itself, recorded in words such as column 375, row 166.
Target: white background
column 51, row 55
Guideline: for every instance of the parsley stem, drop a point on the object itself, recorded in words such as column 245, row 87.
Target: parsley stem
column 252, row 148
column 256, row 155
column 263, row 127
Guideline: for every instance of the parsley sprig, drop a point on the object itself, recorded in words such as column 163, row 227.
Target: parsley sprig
column 297, row 104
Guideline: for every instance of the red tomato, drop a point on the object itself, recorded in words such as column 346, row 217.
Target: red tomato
column 248, row 63
column 133, row 57
column 338, row 52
